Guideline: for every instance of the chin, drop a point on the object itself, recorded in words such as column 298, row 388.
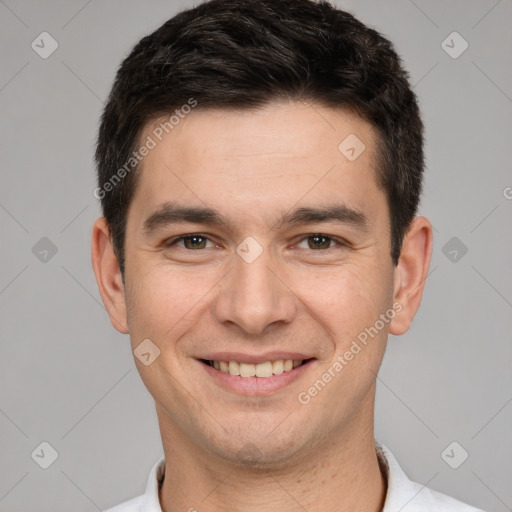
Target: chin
column 259, row 450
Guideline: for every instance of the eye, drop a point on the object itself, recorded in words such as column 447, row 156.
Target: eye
column 192, row 242
column 197, row 241
column 319, row 241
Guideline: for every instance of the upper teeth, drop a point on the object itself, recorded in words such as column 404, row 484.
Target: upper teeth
column 266, row 369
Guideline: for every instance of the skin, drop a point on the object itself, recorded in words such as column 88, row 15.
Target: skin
column 228, row 451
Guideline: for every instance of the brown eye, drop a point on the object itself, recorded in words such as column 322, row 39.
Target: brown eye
column 191, row 242
column 194, row 242
column 318, row 241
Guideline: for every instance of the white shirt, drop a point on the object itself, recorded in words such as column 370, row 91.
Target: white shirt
column 403, row 495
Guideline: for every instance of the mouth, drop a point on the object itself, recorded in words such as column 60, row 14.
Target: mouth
column 261, row 370
column 260, row 378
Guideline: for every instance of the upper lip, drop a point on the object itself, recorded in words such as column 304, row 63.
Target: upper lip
column 254, row 358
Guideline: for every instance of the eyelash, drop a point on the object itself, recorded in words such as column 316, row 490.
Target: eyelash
column 340, row 242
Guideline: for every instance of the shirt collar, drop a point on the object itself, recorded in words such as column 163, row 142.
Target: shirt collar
column 150, row 499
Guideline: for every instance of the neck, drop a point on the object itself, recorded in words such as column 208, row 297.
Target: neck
column 342, row 474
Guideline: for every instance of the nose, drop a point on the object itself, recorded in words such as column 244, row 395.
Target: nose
column 255, row 295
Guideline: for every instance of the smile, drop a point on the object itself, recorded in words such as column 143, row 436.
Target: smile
column 259, row 378
column 262, row 370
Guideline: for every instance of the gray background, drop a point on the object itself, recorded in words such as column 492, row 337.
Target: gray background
column 68, row 378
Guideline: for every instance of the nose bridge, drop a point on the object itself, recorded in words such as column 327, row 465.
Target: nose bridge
column 252, row 295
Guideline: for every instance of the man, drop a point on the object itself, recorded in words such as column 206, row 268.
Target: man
column 260, row 166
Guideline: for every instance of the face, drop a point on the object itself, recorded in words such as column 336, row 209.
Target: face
column 284, row 259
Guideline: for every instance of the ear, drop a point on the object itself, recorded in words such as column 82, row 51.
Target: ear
column 108, row 275
column 411, row 273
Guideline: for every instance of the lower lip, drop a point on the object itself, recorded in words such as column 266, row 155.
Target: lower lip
column 256, row 386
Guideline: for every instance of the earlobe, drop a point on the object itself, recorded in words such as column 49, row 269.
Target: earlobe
column 108, row 275
column 411, row 273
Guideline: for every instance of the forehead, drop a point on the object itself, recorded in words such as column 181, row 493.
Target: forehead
column 252, row 160
column 277, row 130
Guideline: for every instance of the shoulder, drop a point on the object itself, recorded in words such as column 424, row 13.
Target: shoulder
column 132, row 505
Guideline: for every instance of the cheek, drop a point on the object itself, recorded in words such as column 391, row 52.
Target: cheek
column 350, row 302
column 163, row 302
column 347, row 299
column 163, row 305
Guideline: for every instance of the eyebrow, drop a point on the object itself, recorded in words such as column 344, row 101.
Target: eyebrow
column 172, row 213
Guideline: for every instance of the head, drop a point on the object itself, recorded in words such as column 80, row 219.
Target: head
column 285, row 135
